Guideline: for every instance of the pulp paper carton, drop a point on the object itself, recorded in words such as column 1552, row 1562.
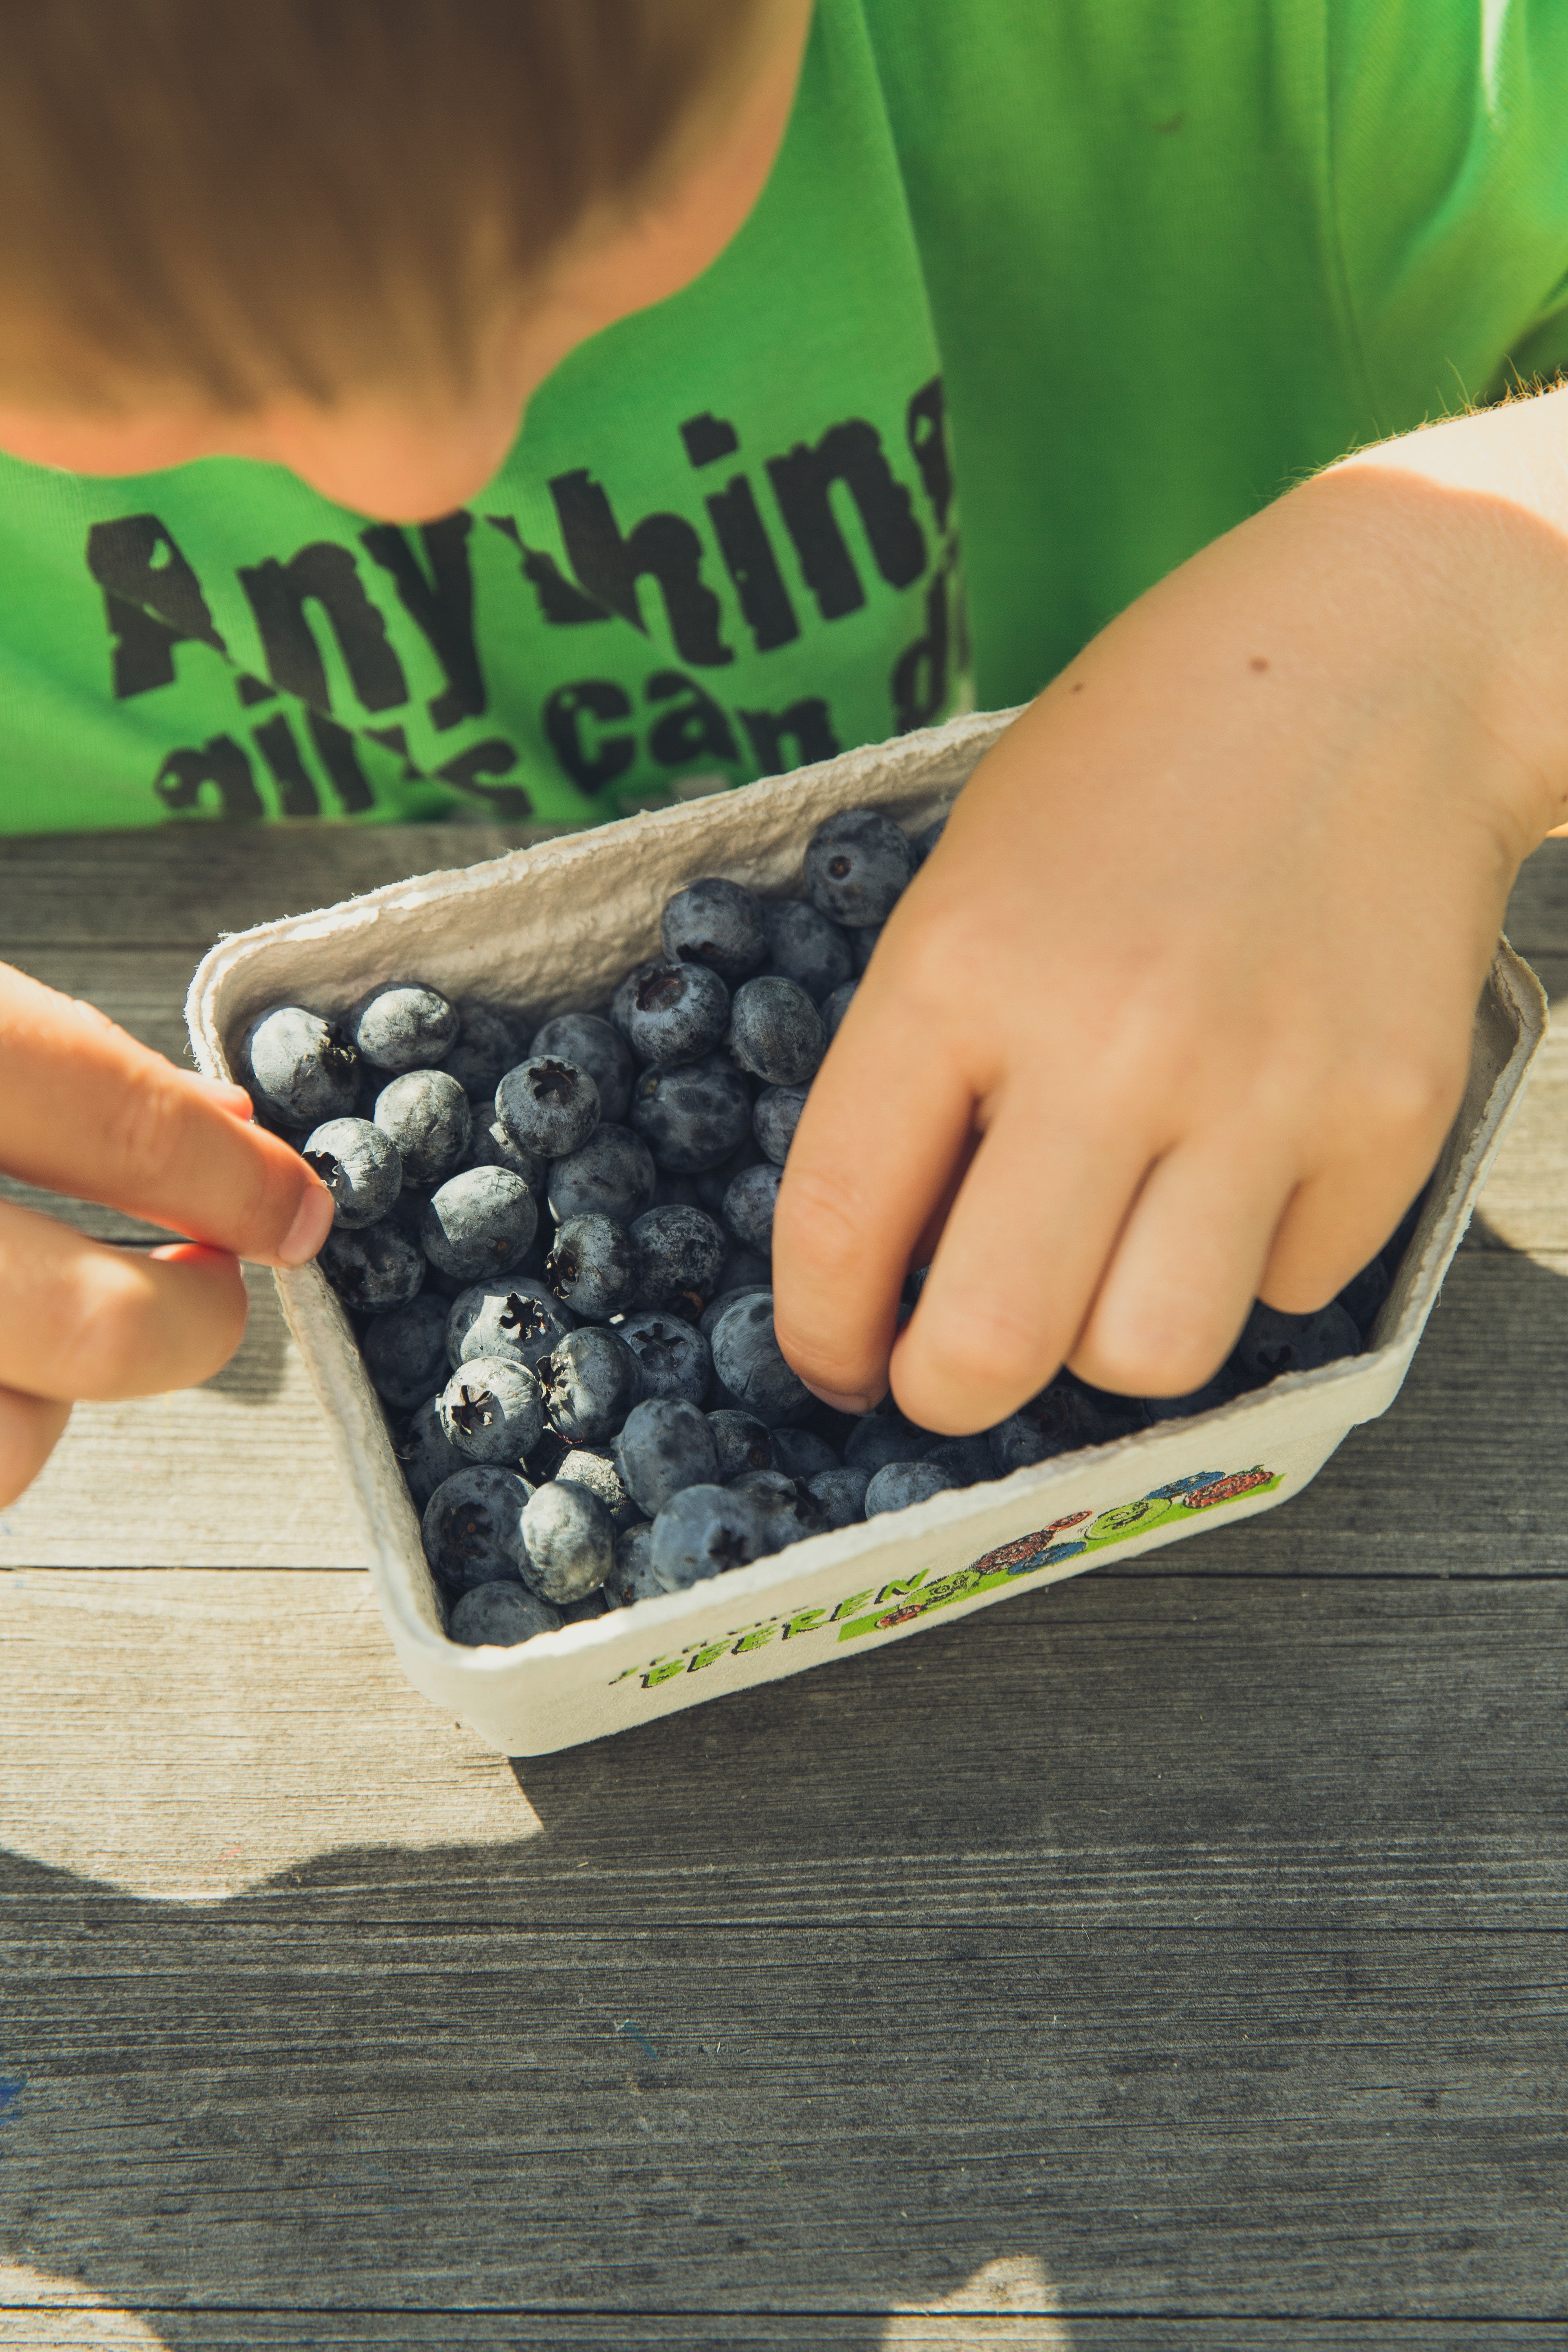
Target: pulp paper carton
column 554, row 927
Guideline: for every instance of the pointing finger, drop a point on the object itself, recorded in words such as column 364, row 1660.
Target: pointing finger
column 83, row 1319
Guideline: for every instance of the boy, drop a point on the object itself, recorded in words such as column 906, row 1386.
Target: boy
column 1179, row 1011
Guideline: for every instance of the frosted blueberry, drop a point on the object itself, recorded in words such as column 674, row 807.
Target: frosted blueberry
column 611, row 1175
column 487, row 1048
column 745, row 1269
column 671, row 1014
column 748, row 1361
column 582, row 1467
column 790, row 1508
column 776, row 1031
column 591, row 1383
column 840, row 1495
column 801, row 1452
column 548, row 1105
column 594, row 1268
column 491, row 1147
column 899, row 1485
column 426, row 1115
column 837, row 1006
column 805, row 947
column 1363, row 1294
column 749, row 1206
column 406, row 1352
column 491, row 1408
column 863, row 947
column 519, row 1318
column 707, row 1321
column 1272, row 1343
column 675, row 1358
column 667, row 1444
column 857, row 864
column 879, row 1438
column 480, row 1223
column 579, row 1612
column 373, row 1270
column 775, row 1115
column 472, row 1528
column 719, row 924
column 358, row 1166
column 499, row 1616
column 924, row 843
column 402, row 1026
column 569, row 1538
column 703, row 1531
column 966, row 1460
column 426, row 1453
column 742, row 1443
column 693, row 1118
column 632, row 1578
column 681, row 1251
column 1227, row 1384
column 589, row 1041
column 301, row 1069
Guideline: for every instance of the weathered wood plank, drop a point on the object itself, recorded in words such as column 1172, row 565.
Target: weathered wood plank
column 1162, row 1753
column 748, row 2331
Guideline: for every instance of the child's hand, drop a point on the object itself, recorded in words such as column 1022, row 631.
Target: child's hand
column 1193, row 970
column 90, row 1112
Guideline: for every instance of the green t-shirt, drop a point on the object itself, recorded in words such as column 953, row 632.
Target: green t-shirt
column 1100, row 278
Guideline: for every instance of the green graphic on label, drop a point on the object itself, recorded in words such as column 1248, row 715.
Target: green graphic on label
column 901, row 1600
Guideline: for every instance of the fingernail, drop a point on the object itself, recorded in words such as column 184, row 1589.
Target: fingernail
column 233, row 1099
column 840, row 1402
column 309, row 1228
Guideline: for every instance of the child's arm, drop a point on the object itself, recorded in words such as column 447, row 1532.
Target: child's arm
column 1198, row 957
column 90, row 1112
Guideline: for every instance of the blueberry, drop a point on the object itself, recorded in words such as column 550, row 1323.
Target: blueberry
column 747, row 1359
column 742, row 1443
column 592, row 1382
column 373, row 1271
column 691, row 1119
column 1227, row 1384
column 704, row 1531
column 924, row 843
column 1056, row 1421
column 548, row 1105
column 801, row 1452
column 406, row 1352
column 499, row 1616
column 879, row 1438
column 776, row 1031
column 745, row 1269
column 1363, row 1294
column 806, row 948
column 426, row 1451
column 718, row 924
column 491, row 1408
column 402, row 1026
column 676, row 1360
column 426, row 1115
column 967, row 1460
column 667, row 1444
column 582, row 1467
column 837, row 1006
column 1272, row 1343
column 588, row 1041
column 579, row 1612
column 491, row 1147
column 632, row 1578
column 863, row 947
column 671, row 1012
column 358, row 1166
column 611, row 1175
column 479, row 1224
column 749, row 1206
column 569, row 1538
column 775, row 1115
column 713, row 1183
column 301, row 1069
column 708, row 1322
column 681, row 1251
column 472, row 1528
column 788, row 1506
column 594, row 1268
column 899, row 1485
column 678, row 1192
column 487, row 1048
column 519, row 1318
column 840, row 1495
column 857, row 864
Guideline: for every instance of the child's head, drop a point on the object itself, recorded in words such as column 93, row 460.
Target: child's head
column 351, row 235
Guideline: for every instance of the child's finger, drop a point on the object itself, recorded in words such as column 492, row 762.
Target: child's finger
column 30, row 1428
column 883, row 1128
column 1339, row 1220
column 1035, row 1221
column 92, row 1113
column 83, row 1319
column 1185, row 1269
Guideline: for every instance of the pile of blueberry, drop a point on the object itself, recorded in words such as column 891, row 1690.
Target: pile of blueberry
column 591, row 1407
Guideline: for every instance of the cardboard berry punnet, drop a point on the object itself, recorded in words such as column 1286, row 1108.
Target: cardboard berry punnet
column 554, row 927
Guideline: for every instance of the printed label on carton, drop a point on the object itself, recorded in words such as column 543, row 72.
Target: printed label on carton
column 879, row 1608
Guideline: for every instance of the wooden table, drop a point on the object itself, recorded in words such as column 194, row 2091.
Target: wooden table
column 1171, row 1959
